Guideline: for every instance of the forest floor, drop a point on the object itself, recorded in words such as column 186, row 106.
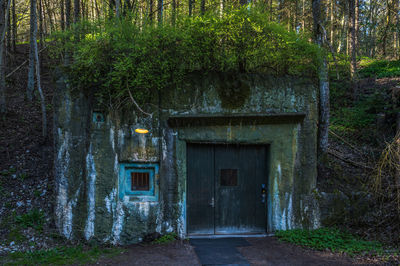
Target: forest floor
column 260, row 251
column 26, row 162
column 27, row 188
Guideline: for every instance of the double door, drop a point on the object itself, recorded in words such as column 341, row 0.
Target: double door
column 226, row 189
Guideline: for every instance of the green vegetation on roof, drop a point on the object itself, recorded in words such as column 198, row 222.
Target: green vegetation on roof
column 123, row 56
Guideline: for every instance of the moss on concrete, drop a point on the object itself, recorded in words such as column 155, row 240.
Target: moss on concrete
column 90, row 153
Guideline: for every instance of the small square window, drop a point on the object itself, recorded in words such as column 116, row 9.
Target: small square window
column 138, row 181
column 229, row 177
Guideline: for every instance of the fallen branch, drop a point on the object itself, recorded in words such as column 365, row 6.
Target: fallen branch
column 344, row 141
column 341, row 157
column 21, row 65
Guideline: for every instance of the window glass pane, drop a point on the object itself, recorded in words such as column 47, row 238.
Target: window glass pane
column 229, row 177
column 140, row 181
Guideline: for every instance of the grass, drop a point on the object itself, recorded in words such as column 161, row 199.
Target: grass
column 61, row 256
column 330, row 239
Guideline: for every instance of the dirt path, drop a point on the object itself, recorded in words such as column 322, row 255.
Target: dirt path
column 261, row 251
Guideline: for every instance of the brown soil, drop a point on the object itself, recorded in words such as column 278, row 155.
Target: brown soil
column 263, row 251
column 175, row 253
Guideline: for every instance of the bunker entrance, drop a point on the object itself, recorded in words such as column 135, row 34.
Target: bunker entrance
column 226, row 189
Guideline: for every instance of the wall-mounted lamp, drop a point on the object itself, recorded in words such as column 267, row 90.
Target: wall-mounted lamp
column 141, row 131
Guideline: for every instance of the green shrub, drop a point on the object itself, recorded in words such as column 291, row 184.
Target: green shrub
column 170, row 237
column 121, row 58
column 33, row 218
column 330, row 238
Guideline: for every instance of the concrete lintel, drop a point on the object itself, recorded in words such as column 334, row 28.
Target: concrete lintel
column 235, row 119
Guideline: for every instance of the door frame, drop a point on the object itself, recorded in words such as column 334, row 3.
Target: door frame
column 285, row 163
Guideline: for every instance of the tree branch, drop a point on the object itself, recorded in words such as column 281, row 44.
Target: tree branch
column 137, row 105
column 21, row 65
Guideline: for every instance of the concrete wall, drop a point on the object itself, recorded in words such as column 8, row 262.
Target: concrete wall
column 281, row 112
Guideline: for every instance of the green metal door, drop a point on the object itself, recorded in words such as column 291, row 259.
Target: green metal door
column 225, row 189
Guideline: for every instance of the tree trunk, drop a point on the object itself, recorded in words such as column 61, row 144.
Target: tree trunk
column 151, row 11
column 50, row 15
column 303, row 24
column 173, row 12
column 4, row 8
column 68, row 14
column 398, row 150
column 352, row 41
column 97, row 9
column 386, row 29
column 40, row 13
column 62, row 20
column 271, row 9
column 32, row 40
column 111, row 6
column 160, row 11
column 323, row 82
column 295, row 15
column 8, row 35
column 36, row 56
column 191, row 4
column 14, row 28
column 396, row 30
column 356, row 25
column 373, row 29
column 342, row 34
column 332, row 19
column 117, row 8
column 202, row 7
column 77, row 11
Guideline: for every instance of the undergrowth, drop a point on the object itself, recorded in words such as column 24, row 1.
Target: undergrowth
column 332, row 239
column 355, row 117
column 34, row 218
column 60, row 256
column 379, row 68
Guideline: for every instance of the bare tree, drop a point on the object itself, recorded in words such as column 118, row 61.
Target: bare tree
column 117, row 8
column 35, row 52
column 14, row 27
column 323, row 126
column 151, row 10
column 4, row 9
column 62, row 20
column 352, row 41
column 77, row 11
column 31, row 69
column 191, row 7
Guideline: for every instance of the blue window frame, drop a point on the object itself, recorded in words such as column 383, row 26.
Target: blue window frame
column 146, row 170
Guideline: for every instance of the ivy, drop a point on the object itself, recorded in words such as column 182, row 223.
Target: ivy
column 121, row 57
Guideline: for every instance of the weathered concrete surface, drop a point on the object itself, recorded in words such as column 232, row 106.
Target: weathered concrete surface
column 89, row 153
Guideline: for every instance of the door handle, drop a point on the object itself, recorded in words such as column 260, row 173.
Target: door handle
column 263, row 193
column 212, row 203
